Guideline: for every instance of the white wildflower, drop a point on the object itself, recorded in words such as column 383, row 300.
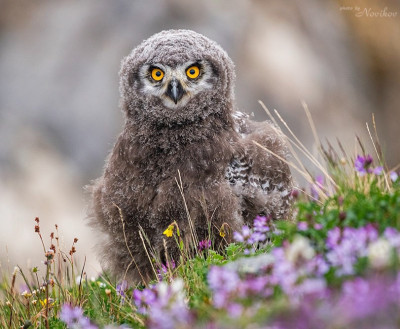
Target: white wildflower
column 379, row 253
column 300, row 248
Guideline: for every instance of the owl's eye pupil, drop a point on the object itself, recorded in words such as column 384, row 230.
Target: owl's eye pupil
column 158, row 73
column 192, row 71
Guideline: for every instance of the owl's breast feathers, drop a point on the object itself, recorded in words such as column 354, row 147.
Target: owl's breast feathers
column 261, row 181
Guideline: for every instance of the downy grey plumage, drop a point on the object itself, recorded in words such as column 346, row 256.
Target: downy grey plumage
column 177, row 96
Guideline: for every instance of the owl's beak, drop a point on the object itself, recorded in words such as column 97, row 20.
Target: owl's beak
column 175, row 90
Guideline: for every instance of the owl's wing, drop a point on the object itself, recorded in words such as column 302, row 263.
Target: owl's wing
column 262, row 181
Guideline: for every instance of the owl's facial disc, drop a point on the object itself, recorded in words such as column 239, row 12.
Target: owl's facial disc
column 176, row 86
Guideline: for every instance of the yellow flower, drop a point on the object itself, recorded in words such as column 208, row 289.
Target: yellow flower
column 169, row 231
column 44, row 302
column 222, row 232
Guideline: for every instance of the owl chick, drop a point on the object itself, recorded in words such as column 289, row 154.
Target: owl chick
column 184, row 155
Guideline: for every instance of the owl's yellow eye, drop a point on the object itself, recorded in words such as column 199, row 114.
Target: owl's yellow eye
column 157, row 74
column 193, row 72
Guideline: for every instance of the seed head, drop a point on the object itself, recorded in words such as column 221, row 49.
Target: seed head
column 72, row 251
column 342, row 215
column 49, row 254
column 295, row 193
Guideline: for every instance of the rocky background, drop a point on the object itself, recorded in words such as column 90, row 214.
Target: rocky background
column 59, row 115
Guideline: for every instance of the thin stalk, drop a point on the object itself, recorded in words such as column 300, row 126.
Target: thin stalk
column 127, row 246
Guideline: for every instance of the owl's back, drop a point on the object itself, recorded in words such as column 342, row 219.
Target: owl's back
column 261, row 181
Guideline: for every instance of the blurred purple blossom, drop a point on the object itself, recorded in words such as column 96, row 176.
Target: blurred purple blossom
column 364, row 298
column 394, row 176
column 318, row 226
column 317, row 187
column 165, row 268
column 297, row 270
column 234, row 310
column 223, row 282
column 360, row 303
column 255, row 286
column 243, row 236
column 363, row 165
column 169, row 309
column 302, row 226
column 261, row 224
column 73, row 317
column 393, row 236
column 249, row 237
column 344, row 248
column 378, row 170
column 121, row 288
column 143, row 299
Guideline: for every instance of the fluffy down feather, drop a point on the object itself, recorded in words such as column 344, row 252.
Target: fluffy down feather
column 226, row 178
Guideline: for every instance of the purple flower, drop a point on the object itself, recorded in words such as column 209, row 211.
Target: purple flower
column 143, row 299
column 363, row 166
column 165, row 268
column 317, row 265
column 235, row 310
column 248, row 237
column 205, row 244
column 169, row 309
column 304, row 276
column 261, row 224
column 361, row 303
column 393, row 236
column 70, row 315
column 74, row 318
column 318, row 226
column 256, row 237
column 309, row 286
column 362, row 298
column 394, row 176
column 255, row 286
column 333, row 237
column 302, row 226
column 223, row 282
column 378, row 170
column 317, row 186
column 121, row 288
column 347, row 248
column 220, row 277
column 243, row 236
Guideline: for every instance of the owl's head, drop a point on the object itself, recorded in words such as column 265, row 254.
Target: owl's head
column 176, row 75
